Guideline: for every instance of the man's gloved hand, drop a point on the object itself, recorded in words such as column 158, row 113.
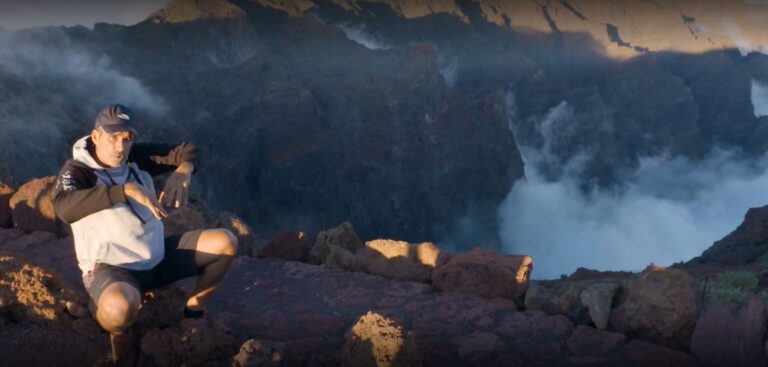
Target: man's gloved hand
column 176, row 190
column 144, row 197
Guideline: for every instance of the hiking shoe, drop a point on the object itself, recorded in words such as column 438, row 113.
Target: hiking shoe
column 124, row 349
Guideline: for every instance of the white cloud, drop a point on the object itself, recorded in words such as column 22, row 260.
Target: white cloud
column 359, row 34
column 667, row 210
column 92, row 76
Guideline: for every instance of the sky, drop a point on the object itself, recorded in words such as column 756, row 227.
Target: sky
column 17, row 14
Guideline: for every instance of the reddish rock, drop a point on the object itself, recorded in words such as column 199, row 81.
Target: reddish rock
column 260, row 353
column 31, row 293
column 286, row 245
column 587, row 341
column 343, row 236
column 35, row 238
column 659, row 306
column 730, row 335
column 161, row 308
column 10, row 234
column 32, row 207
column 485, row 273
column 183, row 219
column 558, row 297
column 400, row 260
column 598, row 299
column 375, row 340
column 193, row 342
column 247, row 239
column 641, row 353
column 478, row 346
column 744, row 245
column 520, row 326
column 5, row 209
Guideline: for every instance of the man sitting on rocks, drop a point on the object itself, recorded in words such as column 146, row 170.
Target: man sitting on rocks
column 107, row 195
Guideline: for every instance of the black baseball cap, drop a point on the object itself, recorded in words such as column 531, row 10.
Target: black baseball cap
column 115, row 118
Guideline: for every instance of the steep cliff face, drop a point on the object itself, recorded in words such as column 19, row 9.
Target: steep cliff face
column 397, row 116
column 623, row 29
column 303, row 127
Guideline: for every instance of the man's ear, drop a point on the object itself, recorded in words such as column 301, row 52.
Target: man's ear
column 94, row 135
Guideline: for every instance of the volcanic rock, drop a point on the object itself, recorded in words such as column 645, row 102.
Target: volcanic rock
column 343, row 236
column 246, row 237
column 558, row 298
column 287, row 245
column 32, row 207
column 586, row 341
column 478, row 346
column 744, row 245
column 731, row 335
column 401, row 260
column 35, row 238
column 375, row 340
column 31, row 293
column 485, row 273
column 179, row 11
column 193, row 342
column 5, row 210
column 260, row 353
column 598, row 299
column 659, row 305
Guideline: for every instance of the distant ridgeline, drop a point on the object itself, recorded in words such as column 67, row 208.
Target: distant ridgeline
column 395, row 115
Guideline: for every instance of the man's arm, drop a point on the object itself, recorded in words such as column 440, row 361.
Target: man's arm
column 157, row 158
column 76, row 194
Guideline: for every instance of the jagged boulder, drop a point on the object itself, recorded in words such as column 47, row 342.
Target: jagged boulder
column 247, row 239
column 659, row 305
column 558, row 298
column 343, row 236
column 731, row 335
column 5, row 209
column 401, row 260
column 193, row 342
column 287, row 245
column 260, row 353
column 581, row 302
column 485, row 273
column 29, row 292
column 377, row 341
column 32, row 207
column 598, row 299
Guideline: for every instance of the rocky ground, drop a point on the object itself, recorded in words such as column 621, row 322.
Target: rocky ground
column 342, row 301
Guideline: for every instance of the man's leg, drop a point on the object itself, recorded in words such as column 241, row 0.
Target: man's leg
column 117, row 307
column 215, row 250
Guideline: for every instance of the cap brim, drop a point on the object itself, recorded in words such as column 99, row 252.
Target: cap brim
column 119, row 127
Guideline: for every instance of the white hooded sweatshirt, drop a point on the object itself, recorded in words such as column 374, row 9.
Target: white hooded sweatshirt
column 127, row 234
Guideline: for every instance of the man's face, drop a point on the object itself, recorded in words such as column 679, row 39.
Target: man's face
column 112, row 149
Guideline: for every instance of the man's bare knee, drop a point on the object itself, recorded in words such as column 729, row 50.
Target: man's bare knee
column 229, row 247
column 219, row 241
column 117, row 306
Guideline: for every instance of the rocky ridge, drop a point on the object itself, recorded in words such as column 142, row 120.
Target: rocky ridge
column 337, row 312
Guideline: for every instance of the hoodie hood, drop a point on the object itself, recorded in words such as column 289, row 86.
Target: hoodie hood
column 81, row 154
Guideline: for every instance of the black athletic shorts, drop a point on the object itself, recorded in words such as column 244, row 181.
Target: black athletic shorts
column 178, row 263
